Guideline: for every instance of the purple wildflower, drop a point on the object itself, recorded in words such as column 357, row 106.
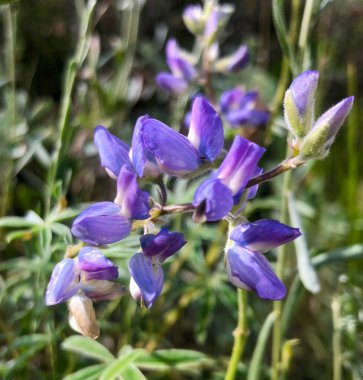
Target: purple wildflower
column 247, row 267
column 215, row 196
column 241, row 108
column 89, row 274
column 147, row 276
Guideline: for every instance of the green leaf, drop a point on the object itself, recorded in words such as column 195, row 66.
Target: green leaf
column 18, row 222
column 90, row 373
column 132, row 373
column 278, row 16
column 306, row 270
column 87, row 347
column 257, row 357
column 116, row 368
column 164, row 359
column 342, row 254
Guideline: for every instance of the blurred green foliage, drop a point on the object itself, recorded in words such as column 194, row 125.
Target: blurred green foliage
column 114, row 84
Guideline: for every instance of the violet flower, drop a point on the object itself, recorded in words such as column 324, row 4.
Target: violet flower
column 108, row 222
column 114, row 153
column 181, row 67
column 147, row 276
column 215, row 197
column 234, row 62
column 241, row 108
column 158, row 149
column 90, row 274
column 247, row 267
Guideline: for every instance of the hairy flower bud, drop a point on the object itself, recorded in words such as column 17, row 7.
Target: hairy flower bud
column 193, row 18
column 319, row 140
column 299, row 103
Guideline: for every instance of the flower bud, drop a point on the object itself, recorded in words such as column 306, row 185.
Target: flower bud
column 193, row 18
column 82, row 316
column 299, row 103
column 234, row 62
column 319, row 140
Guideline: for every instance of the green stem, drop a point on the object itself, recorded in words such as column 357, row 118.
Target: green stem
column 240, row 335
column 337, row 347
column 277, row 307
column 69, row 82
column 10, row 40
column 353, row 152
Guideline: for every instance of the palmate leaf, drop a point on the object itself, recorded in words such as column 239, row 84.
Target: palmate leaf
column 87, row 347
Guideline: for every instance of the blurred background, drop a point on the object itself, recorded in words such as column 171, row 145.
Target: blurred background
column 113, row 86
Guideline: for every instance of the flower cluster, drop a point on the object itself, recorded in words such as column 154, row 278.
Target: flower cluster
column 158, row 150
column 239, row 108
column 207, row 25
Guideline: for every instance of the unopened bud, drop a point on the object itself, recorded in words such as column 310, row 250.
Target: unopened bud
column 299, row 103
column 193, row 18
column 319, row 140
column 82, row 316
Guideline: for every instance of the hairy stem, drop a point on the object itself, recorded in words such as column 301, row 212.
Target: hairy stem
column 240, row 335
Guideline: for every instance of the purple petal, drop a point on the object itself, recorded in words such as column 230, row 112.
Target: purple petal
column 239, row 59
column 171, row 83
column 101, row 223
column 64, row 282
column 102, row 290
column 215, row 198
column 148, row 277
column 177, row 63
column 303, row 89
column 114, row 153
column 134, row 202
column 95, row 265
column 206, row 129
column 162, row 245
column 154, row 142
column 143, row 160
column 251, row 271
column 234, row 62
column 240, row 164
column 231, row 99
column 263, row 235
